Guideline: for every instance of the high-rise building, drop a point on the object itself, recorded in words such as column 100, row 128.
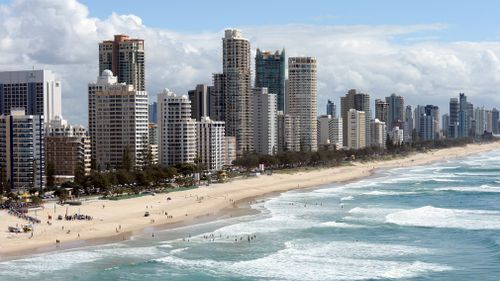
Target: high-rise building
column 67, row 149
column 22, row 157
column 270, row 74
column 395, row 110
column 232, row 91
column 331, row 109
column 409, row 125
column 125, row 57
column 463, row 119
column 378, row 130
column 489, row 121
column 210, row 144
column 454, row 120
column 396, row 135
column 470, row 119
column 37, row 91
column 288, row 132
column 445, row 124
column 153, row 112
column 265, row 122
column 200, row 101
column 433, row 110
column 418, row 112
column 360, row 102
column 381, row 110
column 495, row 115
column 229, row 150
column 426, row 128
column 330, row 131
column 153, row 143
column 356, row 123
column 176, row 128
column 118, row 123
column 480, row 118
column 302, row 98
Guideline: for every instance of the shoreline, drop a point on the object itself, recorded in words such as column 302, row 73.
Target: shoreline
column 190, row 207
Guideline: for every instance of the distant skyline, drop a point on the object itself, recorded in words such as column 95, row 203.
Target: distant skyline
column 426, row 51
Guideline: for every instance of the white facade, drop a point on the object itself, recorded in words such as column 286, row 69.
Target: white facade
column 229, row 150
column 356, row 129
column 330, row 130
column 210, row 144
column 397, row 136
column 288, row 132
column 265, row 122
column 37, row 91
column 378, row 135
column 176, row 129
column 301, row 98
column 118, row 122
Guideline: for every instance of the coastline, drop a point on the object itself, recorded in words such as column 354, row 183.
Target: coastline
column 190, row 206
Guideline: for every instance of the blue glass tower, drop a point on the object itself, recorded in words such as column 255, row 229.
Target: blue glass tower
column 270, row 74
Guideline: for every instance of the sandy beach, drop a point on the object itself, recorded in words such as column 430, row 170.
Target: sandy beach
column 118, row 220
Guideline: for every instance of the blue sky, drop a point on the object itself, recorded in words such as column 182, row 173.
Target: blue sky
column 466, row 20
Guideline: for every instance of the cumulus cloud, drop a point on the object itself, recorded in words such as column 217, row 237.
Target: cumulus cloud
column 60, row 35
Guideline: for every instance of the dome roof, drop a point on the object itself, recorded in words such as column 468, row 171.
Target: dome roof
column 107, row 72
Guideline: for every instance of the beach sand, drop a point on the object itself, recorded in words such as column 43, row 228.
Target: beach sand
column 119, row 220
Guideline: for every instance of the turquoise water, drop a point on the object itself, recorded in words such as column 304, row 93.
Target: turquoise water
column 438, row 222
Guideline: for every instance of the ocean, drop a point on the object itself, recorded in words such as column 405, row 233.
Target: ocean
column 433, row 222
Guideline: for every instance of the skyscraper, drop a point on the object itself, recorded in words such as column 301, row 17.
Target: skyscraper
column 445, row 124
column 37, row 91
column 176, row 128
column 453, row 126
column 379, row 135
column 302, row 98
column 381, row 110
column 200, row 101
column 360, row 102
column 331, row 109
column 495, row 115
column 463, row 120
column 265, row 133
column 153, row 112
column 395, row 110
column 356, row 138
column 232, row 90
column 125, row 57
column 409, row 125
column 22, row 157
column 118, row 123
column 288, row 132
column 270, row 74
column 433, row 111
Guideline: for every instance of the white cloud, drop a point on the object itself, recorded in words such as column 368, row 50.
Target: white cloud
column 60, row 35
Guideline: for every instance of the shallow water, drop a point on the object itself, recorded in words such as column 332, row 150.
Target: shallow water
column 435, row 222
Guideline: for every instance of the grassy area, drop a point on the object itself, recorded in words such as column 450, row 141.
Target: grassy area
column 129, row 196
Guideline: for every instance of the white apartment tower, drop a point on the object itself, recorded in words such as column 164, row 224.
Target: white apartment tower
column 118, row 122
column 288, row 132
column 176, row 129
column 356, row 128
column 265, row 122
column 378, row 134
column 302, row 98
column 37, row 91
column 210, row 144
column 330, row 130
column 232, row 90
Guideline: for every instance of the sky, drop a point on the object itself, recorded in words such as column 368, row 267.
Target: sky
column 427, row 51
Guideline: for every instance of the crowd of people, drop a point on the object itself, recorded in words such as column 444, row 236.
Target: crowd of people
column 22, row 215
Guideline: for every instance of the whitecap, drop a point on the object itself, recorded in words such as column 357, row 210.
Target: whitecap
column 429, row 216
